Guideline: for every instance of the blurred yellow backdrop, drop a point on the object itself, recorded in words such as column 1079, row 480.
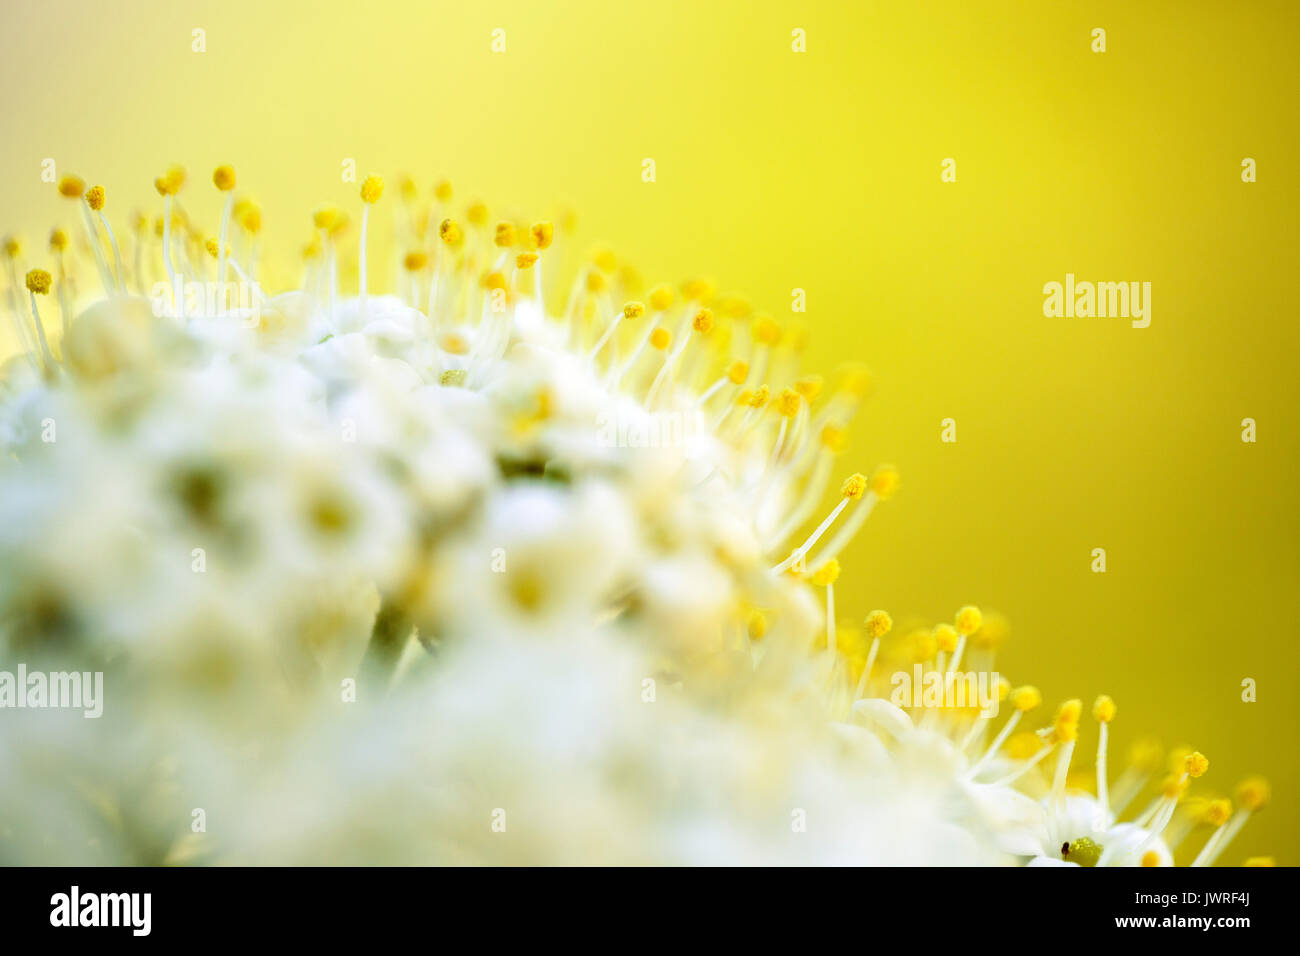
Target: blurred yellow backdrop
column 821, row 170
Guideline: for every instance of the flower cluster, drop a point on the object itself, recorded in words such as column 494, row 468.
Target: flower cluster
column 372, row 579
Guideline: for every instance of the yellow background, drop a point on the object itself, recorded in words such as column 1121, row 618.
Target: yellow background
column 821, row 171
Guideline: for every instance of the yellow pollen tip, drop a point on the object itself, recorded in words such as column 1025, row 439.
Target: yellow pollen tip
column 543, row 234
column 968, row 620
column 449, row 232
column 878, row 624
column 826, row 574
column 325, row 217
column 1217, row 812
column 703, row 321
column 1173, row 785
column 884, row 482
column 71, row 187
column 633, row 310
column 1253, row 793
column 834, row 438
column 756, row 625
column 945, row 638
column 660, row 338
column 661, row 298
column 854, row 486
column 415, row 261
column 1197, row 764
column 494, row 280
column 595, row 281
column 526, row 260
column 442, row 190
column 1150, row 858
column 766, row 330
column 737, row 372
column 38, row 281
column 58, row 240
column 1026, row 698
column 810, row 386
column 212, row 247
column 223, row 177
column 477, row 213
column 372, row 189
column 1103, row 709
column 504, row 237
column 95, row 198
column 759, row 396
column 788, row 403
column 175, row 179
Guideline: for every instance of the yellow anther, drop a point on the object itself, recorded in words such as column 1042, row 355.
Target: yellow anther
column 1026, row 698
column 826, row 574
column 945, row 638
column 442, row 190
column 371, row 189
column 834, row 438
column 1145, row 754
column 174, row 178
column 71, row 187
column 758, row 398
column 212, row 247
column 325, row 217
column 1024, row 745
column 1253, row 793
column 455, row 343
column 595, row 281
column 1067, row 719
column 38, row 281
column 449, row 232
column 857, row 381
column 878, row 624
column 407, row 189
column 633, row 310
column 494, row 281
column 477, row 213
column 415, row 261
column 884, row 481
column 1217, row 812
column 737, row 372
column 95, row 198
column 855, row 485
column 58, row 240
column 223, row 177
column 697, row 290
column 993, row 633
column 660, row 338
column 756, row 625
column 1197, row 764
column 311, row 249
column 1004, row 689
column 1150, row 858
column 765, row 330
column 504, row 237
column 788, row 402
column 249, row 215
column 525, row 260
column 703, row 321
column 605, row 260
column 810, row 386
column 968, row 619
column 1103, row 709
column 543, row 234
column 661, row 298
column 340, row 224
